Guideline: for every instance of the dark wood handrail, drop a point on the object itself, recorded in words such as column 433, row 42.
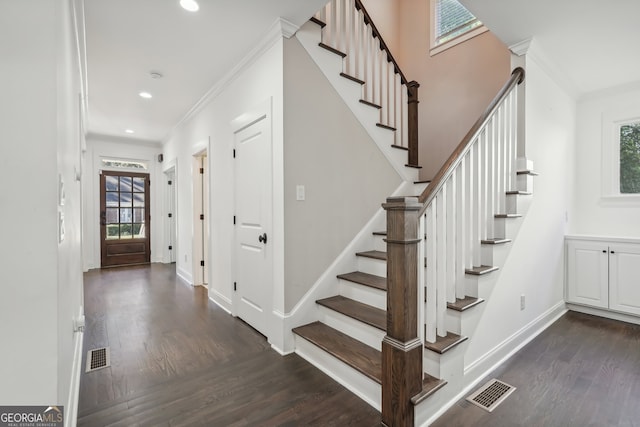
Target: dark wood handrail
column 383, row 45
column 517, row 77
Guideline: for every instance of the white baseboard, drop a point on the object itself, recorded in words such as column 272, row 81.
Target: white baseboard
column 71, row 409
column 483, row 366
column 220, row 300
column 614, row 315
column 184, row 275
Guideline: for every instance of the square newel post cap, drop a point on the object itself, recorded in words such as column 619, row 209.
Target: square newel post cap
column 404, row 203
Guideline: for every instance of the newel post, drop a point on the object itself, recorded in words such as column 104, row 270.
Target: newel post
column 401, row 347
column 412, row 125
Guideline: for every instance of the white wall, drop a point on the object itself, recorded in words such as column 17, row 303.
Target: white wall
column 42, row 279
column 99, row 146
column 535, row 267
column 345, row 175
column 258, row 81
column 592, row 214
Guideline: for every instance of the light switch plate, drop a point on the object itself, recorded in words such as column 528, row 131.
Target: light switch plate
column 300, row 196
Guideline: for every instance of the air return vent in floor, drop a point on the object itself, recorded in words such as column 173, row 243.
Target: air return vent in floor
column 97, row 359
column 490, row 395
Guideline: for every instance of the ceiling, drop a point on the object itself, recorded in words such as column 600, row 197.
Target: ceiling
column 128, row 39
column 590, row 44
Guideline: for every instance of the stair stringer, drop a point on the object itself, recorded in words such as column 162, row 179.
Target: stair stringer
column 327, row 285
column 331, row 65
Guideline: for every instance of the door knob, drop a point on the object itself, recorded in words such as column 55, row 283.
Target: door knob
column 263, row 238
column 103, row 218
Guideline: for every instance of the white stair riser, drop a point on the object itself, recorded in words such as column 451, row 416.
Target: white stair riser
column 464, row 323
column 444, row 366
column 359, row 384
column 518, row 203
column 495, row 254
column 379, row 244
column 525, row 183
column 417, row 189
column 481, row 286
column 372, row 266
column 354, row 328
column 364, row 294
column 507, row 228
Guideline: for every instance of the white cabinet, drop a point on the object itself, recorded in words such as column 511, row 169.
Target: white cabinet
column 624, row 278
column 604, row 274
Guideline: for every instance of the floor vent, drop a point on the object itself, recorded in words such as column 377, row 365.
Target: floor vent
column 97, row 359
column 490, row 395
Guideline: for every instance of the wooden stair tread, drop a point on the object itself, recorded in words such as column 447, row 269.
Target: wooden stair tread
column 428, row 181
column 444, row 344
column 399, row 147
column 383, row 126
column 465, row 303
column 429, row 386
column 496, row 241
column 380, row 233
column 519, row 193
column 373, row 254
column 413, row 166
column 527, row 172
column 359, row 356
column 370, row 104
column 356, row 310
column 317, row 21
column 353, row 79
column 366, row 279
column 510, row 215
column 479, row 271
column 332, row 49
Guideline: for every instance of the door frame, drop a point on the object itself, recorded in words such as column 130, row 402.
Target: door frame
column 242, row 121
column 170, row 228
column 200, row 197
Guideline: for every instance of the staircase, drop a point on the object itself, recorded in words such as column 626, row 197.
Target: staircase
column 395, row 334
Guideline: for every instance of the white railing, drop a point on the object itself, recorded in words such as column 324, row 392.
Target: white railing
column 461, row 203
column 349, row 29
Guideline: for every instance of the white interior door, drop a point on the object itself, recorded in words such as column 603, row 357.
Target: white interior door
column 253, row 254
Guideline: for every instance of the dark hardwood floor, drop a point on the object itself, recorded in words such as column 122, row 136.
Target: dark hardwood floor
column 582, row 371
column 178, row 359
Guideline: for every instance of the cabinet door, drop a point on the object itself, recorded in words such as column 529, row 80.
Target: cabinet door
column 588, row 273
column 624, row 277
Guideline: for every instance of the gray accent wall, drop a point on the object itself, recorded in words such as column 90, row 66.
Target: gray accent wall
column 346, row 177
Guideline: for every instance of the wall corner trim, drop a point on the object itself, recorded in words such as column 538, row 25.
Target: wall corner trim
column 286, row 28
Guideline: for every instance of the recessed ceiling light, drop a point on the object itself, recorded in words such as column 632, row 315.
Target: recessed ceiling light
column 145, row 95
column 129, row 131
column 190, row 5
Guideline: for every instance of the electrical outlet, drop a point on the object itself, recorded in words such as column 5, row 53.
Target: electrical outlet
column 522, row 302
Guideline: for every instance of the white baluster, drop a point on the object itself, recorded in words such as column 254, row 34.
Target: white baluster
column 514, row 137
column 422, row 253
column 450, row 214
column 332, row 24
column 399, row 118
column 482, row 151
column 476, row 206
column 490, row 204
column 369, row 61
column 431, row 312
column 461, row 244
column 391, row 98
column 501, row 163
column 468, row 215
column 441, row 261
column 384, row 92
column 405, row 116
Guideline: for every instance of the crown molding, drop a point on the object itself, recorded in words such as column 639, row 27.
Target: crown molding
column 279, row 29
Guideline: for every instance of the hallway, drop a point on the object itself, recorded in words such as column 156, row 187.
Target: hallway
column 178, row 359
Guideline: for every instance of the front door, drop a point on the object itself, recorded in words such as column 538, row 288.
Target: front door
column 124, row 218
column 254, row 256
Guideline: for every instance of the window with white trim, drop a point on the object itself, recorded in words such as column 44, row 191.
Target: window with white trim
column 452, row 23
column 629, row 158
column 621, row 157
